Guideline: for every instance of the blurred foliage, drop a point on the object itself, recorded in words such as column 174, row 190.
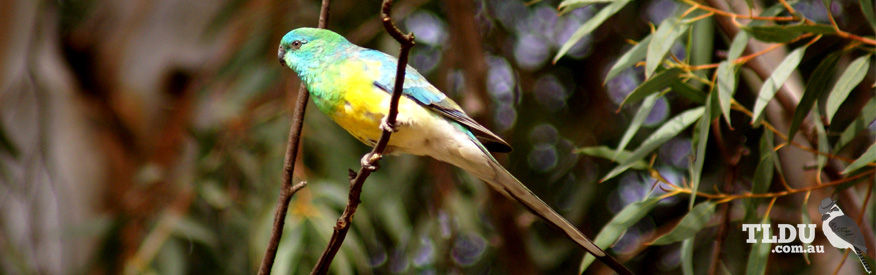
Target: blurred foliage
column 616, row 110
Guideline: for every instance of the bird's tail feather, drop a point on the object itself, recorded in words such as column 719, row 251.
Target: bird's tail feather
column 502, row 180
column 863, row 262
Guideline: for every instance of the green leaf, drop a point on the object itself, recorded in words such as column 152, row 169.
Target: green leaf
column 851, row 77
column 569, row 5
column 611, row 154
column 867, row 10
column 189, row 229
column 866, row 158
column 629, row 58
column 727, row 74
column 693, row 222
column 630, row 215
column 640, row 117
column 591, row 25
column 726, row 87
column 668, row 31
column 687, row 91
column 815, row 87
column 763, row 176
column 655, row 84
column 737, row 47
column 760, row 253
column 868, row 114
column 785, row 33
column 823, row 145
column 170, row 259
column 804, row 219
column 775, row 81
column 290, row 249
column 687, row 248
column 696, row 171
column 666, row 132
column 701, row 45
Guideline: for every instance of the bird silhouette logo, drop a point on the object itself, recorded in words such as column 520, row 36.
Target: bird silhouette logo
column 842, row 231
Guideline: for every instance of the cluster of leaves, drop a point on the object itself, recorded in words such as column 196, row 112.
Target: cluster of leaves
column 709, row 91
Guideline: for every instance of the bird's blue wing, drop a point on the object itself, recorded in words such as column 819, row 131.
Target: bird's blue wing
column 417, row 88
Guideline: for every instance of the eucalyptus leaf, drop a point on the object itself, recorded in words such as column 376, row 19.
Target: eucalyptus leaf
column 726, row 87
column 690, row 224
column 867, row 10
column 823, row 145
column 760, row 253
column 867, row 115
column 696, row 170
column 763, row 176
column 785, row 33
column 190, row 229
column 727, row 74
column 590, row 25
column 687, row 91
column 611, row 154
column 804, row 219
column 851, row 77
column 568, row 5
column 687, row 248
column 611, row 232
column 628, row 59
column 866, row 158
column 670, row 129
column 655, row 84
column 737, row 47
column 815, row 87
column 171, row 259
column 638, row 118
column 775, row 81
column 669, row 30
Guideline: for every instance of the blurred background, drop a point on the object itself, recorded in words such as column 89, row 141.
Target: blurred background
column 148, row 137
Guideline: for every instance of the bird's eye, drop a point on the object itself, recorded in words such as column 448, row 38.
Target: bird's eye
column 296, row 44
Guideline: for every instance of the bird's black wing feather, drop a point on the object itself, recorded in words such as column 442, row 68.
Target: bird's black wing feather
column 848, row 230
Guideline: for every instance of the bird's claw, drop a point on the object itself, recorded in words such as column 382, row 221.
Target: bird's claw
column 385, row 126
column 368, row 159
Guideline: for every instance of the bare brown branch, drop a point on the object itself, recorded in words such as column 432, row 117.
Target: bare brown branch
column 358, row 179
column 289, row 165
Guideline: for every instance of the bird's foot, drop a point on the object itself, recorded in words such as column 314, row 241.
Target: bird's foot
column 368, row 159
column 385, row 126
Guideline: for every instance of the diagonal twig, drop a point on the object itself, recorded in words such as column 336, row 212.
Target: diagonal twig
column 358, row 179
column 289, row 165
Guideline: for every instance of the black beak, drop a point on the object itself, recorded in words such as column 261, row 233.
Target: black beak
column 280, row 53
column 825, row 216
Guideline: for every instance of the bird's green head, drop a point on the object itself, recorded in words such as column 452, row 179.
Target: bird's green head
column 306, row 49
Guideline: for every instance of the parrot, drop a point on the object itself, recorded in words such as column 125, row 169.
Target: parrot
column 352, row 85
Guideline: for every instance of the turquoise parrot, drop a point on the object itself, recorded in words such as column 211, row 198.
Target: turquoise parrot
column 352, row 85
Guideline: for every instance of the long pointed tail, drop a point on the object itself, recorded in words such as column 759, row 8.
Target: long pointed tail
column 504, row 182
column 863, row 262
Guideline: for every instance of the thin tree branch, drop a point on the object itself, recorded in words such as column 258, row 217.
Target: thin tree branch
column 732, row 154
column 675, row 189
column 288, row 189
column 358, row 179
